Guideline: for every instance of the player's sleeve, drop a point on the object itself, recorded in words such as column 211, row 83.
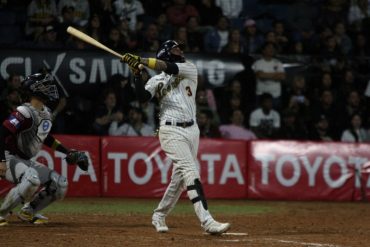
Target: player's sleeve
column 18, row 120
column 151, row 86
column 188, row 70
column 54, row 144
column 15, row 123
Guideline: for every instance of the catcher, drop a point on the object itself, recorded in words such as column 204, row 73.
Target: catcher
column 21, row 138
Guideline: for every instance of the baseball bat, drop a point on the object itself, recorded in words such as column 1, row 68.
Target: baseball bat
column 82, row 36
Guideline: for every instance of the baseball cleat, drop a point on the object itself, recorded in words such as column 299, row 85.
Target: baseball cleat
column 159, row 223
column 36, row 219
column 3, row 221
column 216, row 228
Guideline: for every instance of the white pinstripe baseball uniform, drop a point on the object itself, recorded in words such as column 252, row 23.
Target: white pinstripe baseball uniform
column 180, row 142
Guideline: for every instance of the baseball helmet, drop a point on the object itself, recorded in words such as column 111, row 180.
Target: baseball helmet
column 41, row 86
column 164, row 52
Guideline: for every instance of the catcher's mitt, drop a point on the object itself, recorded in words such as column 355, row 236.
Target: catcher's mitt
column 79, row 158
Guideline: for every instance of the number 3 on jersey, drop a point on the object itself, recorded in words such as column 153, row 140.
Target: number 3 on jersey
column 188, row 90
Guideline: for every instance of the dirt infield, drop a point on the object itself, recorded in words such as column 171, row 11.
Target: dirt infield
column 308, row 224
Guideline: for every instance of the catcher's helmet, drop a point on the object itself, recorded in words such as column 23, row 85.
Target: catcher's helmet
column 164, row 52
column 41, row 86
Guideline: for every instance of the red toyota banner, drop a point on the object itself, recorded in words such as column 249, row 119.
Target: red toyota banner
column 137, row 167
column 308, row 171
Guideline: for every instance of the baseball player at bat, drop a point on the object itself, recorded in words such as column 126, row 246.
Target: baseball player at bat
column 21, row 138
column 178, row 132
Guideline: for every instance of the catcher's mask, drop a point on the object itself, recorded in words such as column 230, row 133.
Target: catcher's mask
column 41, row 86
column 164, row 52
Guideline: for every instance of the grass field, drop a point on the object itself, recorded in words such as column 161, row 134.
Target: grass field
column 127, row 222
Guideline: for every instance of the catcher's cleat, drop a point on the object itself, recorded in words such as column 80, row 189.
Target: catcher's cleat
column 159, row 223
column 3, row 221
column 216, row 228
column 36, row 219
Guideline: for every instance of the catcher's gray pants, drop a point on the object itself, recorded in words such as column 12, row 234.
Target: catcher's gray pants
column 29, row 176
column 181, row 146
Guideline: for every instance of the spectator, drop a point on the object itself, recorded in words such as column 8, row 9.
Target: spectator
column 236, row 129
column 355, row 132
column 231, row 9
column 269, row 74
column 320, row 130
column 361, row 47
column 253, row 39
column 49, row 39
column 130, row 10
column 202, row 103
column 349, row 83
column 64, row 21
column 104, row 9
column 95, row 29
column 331, row 52
column 282, row 38
column 210, row 12
column 40, row 13
column 232, row 99
column 235, row 45
column 135, row 127
column 149, row 40
column 164, row 28
column 123, row 90
column 128, row 37
column 333, row 11
column 115, row 42
column 179, row 12
column 81, row 10
column 342, row 39
column 106, row 113
column 327, row 107
column 181, row 36
column 354, row 105
column 325, row 82
column 297, row 99
column 265, row 121
column 195, row 34
column 217, row 37
column 205, row 123
column 358, row 11
column 291, row 128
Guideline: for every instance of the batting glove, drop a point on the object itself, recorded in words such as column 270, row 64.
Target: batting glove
column 132, row 60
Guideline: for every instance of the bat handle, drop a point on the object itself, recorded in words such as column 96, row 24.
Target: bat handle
column 141, row 66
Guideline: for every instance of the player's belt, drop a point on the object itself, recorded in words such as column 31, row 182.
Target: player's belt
column 180, row 124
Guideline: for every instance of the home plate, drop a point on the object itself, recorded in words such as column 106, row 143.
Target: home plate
column 236, row 233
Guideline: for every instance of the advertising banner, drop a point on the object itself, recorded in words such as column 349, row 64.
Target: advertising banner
column 82, row 71
column 308, row 171
column 137, row 167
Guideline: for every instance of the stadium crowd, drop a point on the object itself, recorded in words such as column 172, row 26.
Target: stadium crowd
column 326, row 99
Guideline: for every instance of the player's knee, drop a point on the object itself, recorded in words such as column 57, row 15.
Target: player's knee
column 29, row 184
column 58, row 185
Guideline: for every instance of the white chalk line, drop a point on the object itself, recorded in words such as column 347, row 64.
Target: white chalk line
column 292, row 242
column 301, row 243
column 236, row 233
